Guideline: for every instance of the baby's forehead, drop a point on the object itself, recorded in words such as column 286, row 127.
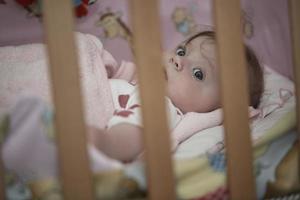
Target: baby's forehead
column 201, row 41
column 204, row 45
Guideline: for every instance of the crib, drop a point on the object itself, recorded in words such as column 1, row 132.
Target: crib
column 75, row 173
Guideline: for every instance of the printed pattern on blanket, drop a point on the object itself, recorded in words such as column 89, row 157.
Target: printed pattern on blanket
column 198, row 178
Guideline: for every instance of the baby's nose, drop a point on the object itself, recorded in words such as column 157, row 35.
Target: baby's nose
column 177, row 64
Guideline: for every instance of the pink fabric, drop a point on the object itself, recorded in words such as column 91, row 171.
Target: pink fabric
column 29, row 151
column 24, row 72
column 193, row 122
column 126, row 71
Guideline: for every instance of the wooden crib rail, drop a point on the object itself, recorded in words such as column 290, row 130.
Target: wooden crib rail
column 70, row 129
column 234, row 91
column 148, row 59
column 294, row 11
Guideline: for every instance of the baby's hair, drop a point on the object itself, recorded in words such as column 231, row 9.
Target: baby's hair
column 255, row 71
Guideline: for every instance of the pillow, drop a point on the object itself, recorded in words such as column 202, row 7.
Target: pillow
column 277, row 102
column 277, row 91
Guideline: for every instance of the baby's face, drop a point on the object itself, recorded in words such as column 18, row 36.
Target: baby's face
column 192, row 76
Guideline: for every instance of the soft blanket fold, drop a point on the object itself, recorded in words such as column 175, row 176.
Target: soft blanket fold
column 24, row 72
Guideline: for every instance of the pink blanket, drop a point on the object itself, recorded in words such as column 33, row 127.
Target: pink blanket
column 24, row 72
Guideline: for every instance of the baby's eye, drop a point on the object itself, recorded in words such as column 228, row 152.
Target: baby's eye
column 198, row 74
column 180, row 51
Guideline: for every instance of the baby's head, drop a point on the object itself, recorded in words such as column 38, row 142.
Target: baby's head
column 192, row 75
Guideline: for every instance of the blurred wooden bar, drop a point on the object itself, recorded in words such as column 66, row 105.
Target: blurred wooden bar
column 2, row 179
column 233, row 82
column 70, row 128
column 294, row 11
column 148, row 59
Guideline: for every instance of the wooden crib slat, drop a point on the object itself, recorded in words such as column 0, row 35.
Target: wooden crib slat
column 145, row 21
column 234, row 98
column 2, row 180
column 294, row 11
column 71, row 141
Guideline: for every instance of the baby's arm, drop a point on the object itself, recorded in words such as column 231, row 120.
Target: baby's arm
column 122, row 141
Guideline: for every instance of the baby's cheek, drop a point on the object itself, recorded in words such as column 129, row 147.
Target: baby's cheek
column 186, row 64
column 211, row 101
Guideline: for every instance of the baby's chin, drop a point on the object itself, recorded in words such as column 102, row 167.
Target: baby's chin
column 186, row 107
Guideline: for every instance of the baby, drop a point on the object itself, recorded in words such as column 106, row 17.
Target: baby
column 192, row 85
column 192, row 88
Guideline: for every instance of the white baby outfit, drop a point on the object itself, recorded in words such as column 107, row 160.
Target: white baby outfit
column 128, row 108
